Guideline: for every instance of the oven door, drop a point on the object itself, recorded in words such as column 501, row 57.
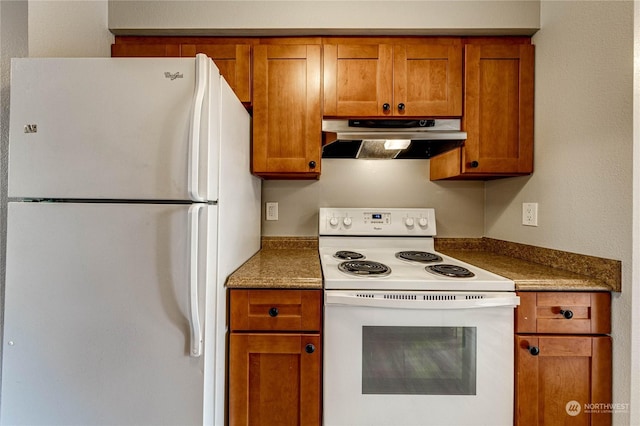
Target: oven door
column 418, row 358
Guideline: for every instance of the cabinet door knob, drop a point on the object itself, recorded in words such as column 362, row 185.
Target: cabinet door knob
column 474, row 164
column 312, row 164
column 400, row 107
column 534, row 350
column 386, row 107
column 273, row 312
column 566, row 313
column 309, row 348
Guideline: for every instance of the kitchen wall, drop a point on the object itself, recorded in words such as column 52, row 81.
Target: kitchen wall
column 583, row 153
column 375, row 183
column 328, row 16
column 584, row 148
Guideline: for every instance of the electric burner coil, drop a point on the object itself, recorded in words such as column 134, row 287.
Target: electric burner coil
column 419, row 256
column 364, row 268
column 452, row 271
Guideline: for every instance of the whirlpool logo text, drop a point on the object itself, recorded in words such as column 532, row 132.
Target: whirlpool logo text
column 173, row 76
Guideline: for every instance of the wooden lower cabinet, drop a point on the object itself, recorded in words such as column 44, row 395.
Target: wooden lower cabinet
column 274, row 379
column 563, row 378
column 275, row 357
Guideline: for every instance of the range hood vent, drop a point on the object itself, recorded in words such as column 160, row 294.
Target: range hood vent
column 390, row 139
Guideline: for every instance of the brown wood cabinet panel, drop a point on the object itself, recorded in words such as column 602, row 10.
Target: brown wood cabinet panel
column 287, row 133
column 358, row 80
column 296, row 310
column 544, row 312
column 274, row 379
column 428, row 80
column 145, row 50
column 378, row 80
column 555, row 383
column 498, row 114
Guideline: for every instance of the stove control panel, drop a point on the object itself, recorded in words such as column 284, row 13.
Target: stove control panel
column 374, row 221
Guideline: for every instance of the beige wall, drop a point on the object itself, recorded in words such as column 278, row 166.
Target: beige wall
column 69, row 28
column 328, row 16
column 375, row 183
column 583, row 152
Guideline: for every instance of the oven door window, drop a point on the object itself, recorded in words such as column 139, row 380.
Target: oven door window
column 419, row 360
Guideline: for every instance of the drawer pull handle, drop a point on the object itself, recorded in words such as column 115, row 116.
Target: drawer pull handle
column 534, row 350
column 566, row 313
column 273, row 312
column 309, row 348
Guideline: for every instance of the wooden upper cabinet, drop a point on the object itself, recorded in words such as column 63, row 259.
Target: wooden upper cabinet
column 386, row 80
column 145, row 50
column 232, row 59
column 498, row 115
column 287, row 131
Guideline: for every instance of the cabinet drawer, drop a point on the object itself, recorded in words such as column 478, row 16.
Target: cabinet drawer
column 276, row 310
column 564, row 313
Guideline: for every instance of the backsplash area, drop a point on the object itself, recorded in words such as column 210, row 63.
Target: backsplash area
column 459, row 205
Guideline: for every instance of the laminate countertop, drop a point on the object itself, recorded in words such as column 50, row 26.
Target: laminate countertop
column 535, row 268
column 289, row 262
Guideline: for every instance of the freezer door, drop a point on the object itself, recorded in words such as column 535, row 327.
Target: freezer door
column 114, row 128
column 98, row 319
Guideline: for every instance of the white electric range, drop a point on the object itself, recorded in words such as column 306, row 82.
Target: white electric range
column 411, row 336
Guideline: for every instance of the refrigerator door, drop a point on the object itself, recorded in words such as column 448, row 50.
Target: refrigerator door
column 114, row 128
column 98, row 319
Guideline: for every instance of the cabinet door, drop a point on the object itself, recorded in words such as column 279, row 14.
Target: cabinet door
column 287, row 120
column 274, row 379
column 498, row 115
column 233, row 61
column 358, row 80
column 427, row 80
column 559, row 385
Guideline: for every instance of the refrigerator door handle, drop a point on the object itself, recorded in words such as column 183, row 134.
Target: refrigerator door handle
column 194, row 130
column 194, row 316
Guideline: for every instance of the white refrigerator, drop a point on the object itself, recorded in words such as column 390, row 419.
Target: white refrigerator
column 130, row 202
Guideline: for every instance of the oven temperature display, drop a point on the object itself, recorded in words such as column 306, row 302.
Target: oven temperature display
column 377, row 218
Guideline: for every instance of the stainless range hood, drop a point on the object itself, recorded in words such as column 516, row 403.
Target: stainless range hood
column 388, row 139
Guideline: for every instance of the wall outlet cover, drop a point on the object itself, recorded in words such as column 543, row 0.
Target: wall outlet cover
column 530, row 214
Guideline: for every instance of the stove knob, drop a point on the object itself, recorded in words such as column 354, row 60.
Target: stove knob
column 333, row 221
column 347, row 221
column 409, row 222
column 423, row 222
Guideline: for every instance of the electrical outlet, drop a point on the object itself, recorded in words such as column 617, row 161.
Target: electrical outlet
column 272, row 211
column 530, row 214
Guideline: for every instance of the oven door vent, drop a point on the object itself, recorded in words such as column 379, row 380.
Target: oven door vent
column 400, row 296
column 474, row 296
column 413, row 296
column 439, row 297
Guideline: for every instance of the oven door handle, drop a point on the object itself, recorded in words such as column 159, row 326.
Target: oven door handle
column 410, row 300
